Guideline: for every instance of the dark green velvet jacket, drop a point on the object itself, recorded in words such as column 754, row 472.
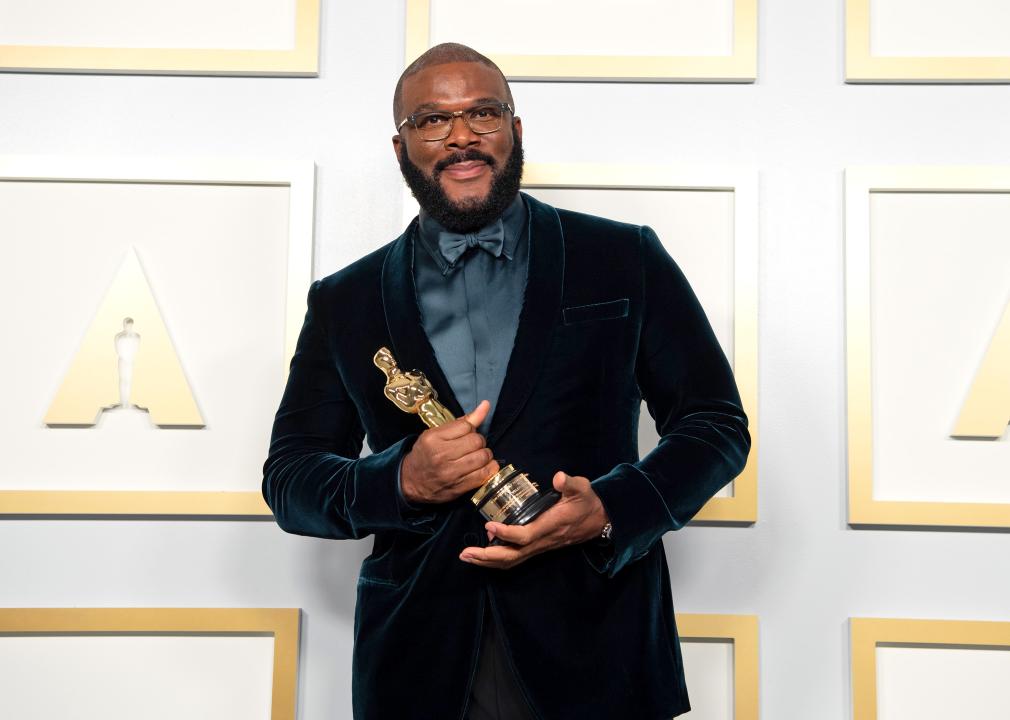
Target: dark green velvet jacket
column 607, row 319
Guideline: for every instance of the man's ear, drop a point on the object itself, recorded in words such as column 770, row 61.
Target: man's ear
column 396, row 146
column 517, row 123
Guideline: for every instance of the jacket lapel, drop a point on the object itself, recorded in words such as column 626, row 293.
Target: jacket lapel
column 541, row 308
column 410, row 344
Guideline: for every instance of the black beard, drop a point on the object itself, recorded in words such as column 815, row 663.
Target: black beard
column 470, row 215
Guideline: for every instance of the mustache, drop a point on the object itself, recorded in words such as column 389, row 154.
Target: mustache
column 464, row 156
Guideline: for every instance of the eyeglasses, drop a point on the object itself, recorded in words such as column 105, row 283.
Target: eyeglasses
column 482, row 119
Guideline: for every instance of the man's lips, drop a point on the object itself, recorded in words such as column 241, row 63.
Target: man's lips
column 465, row 170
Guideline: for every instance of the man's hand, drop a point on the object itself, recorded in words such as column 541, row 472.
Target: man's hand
column 448, row 461
column 578, row 516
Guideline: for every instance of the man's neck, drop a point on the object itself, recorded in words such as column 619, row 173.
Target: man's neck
column 513, row 220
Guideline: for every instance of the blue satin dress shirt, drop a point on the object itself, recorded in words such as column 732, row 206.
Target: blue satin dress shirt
column 470, row 308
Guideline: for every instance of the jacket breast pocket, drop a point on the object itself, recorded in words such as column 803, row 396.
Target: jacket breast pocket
column 610, row 310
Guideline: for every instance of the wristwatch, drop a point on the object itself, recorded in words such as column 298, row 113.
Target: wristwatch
column 607, row 531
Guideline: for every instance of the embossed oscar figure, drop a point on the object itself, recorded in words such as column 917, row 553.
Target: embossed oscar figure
column 508, row 496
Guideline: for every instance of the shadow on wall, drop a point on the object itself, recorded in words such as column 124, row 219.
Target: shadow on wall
column 332, row 569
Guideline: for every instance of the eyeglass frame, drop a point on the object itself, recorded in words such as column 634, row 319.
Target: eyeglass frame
column 412, row 119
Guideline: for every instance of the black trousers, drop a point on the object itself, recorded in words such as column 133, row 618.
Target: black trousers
column 495, row 694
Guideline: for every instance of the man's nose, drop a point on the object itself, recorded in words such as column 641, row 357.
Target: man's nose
column 460, row 134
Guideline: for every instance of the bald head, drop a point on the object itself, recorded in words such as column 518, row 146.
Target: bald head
column 443, row 55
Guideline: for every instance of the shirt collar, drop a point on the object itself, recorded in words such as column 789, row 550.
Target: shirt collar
column 513, row 220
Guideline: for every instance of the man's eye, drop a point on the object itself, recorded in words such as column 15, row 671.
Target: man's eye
column 432, row 120
column 484, row 113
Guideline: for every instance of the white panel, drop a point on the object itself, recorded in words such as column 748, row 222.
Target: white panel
column 223, row 24
column 925, row 28
column 942, row 683
column 215, row 258
column 586, row 27
column 128, row 677
column 708, row 667
column 940, row 267
column 697, row 230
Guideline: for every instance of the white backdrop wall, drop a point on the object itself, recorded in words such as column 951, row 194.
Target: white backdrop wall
column 800, row 568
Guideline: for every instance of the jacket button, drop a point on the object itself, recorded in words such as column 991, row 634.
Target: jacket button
column 471, row 539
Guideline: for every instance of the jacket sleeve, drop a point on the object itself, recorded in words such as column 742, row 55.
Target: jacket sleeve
column 313, row 478
column 689, row 388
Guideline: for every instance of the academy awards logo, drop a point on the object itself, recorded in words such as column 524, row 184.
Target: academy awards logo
column 126, row 362
column 986, row 412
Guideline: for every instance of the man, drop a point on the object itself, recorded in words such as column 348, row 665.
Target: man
column 549, row 327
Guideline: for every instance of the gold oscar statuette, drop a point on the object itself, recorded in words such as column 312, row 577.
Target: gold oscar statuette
column 508, row 496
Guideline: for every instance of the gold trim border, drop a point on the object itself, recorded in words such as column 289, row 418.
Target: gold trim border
column 282, row 623
column 299, row 176
column 742, row 507
column 742, row 630
column 859, row 183
column 867, row 633
column 302, row 60
column 863, row 67
column 741, row 66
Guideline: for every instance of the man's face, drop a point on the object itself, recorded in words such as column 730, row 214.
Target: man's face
column 466, row 178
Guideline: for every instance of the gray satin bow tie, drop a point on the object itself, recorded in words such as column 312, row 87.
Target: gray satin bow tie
column 490, row 238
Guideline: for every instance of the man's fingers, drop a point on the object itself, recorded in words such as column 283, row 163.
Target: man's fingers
column 466, row 424
column 493, row 556
column 570, row 485
column 470, row 462
column 514, row 534
column 454, row 430
column 476, row 417
column 476, row 469
column 463, row 446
